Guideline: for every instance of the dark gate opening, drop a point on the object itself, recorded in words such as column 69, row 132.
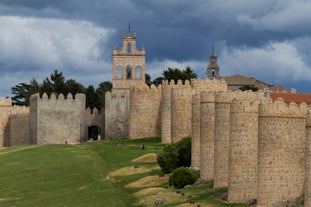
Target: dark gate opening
column 93, row 132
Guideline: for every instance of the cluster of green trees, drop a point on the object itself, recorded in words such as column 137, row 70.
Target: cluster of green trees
column 57, row 84
column 95, row 98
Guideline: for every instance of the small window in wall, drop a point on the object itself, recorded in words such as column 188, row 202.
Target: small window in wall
column 128, row 72
column 138, row 71
column 129, row 48
column 119, row 71
column 213, row 74
column 213, row 62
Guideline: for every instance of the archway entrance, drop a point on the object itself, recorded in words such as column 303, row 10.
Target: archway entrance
column 93, row 132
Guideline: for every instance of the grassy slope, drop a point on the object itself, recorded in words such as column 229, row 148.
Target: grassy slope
column 76, row 175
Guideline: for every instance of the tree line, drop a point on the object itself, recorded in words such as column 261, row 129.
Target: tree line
column 95, row 97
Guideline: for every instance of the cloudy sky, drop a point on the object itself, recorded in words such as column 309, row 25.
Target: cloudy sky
column 267, row 39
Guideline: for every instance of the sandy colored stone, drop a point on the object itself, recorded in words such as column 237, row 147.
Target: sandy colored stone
column 152, row 157
column 149, row 181
column 131, row 170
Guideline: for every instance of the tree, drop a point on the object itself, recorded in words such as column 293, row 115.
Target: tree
column 184, row 151
column 23, row 91
column 158, row 81
column 101, row 91
column 176, row 74
column 71, row 86
column 168, row 158
column 148, row 79
column 92, row 98
column 56, row 82
column 175, row 155
column 249, row 87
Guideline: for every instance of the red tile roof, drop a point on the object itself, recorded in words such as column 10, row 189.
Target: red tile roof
column 292, row 97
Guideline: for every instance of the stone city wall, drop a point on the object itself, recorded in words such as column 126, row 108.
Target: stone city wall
column 117, row 112
column 199, row 86
column 181, row 100
column 94, row 118
column 165, row 110
column 5, row 108
column 57, row 120
column 19, row 126
column 207, row 135
column 307, row 181
column 144, row 120
column 243, row 148
column 281, row 165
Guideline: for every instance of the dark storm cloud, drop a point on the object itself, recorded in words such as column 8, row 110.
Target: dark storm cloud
column 259, row 38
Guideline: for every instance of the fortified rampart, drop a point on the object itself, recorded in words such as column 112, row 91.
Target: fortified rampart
column 117, row 112
column 257, row 148
column 5, row 107
column 57, row 120
column 307, row 181
column 144, row 120
column 19, row 125
column 281, row 150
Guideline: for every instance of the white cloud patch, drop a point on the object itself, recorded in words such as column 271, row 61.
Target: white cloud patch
column 41, row 45
column 289, row 16
column 274, row 63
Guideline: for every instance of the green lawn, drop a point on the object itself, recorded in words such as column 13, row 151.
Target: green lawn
column 77, row 175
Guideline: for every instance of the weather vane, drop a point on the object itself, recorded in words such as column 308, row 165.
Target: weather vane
column 130, row 27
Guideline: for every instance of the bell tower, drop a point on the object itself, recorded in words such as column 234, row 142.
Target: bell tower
column 213, row 68
column 129, row 63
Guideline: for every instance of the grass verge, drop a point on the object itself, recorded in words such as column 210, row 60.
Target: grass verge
column 115, row 173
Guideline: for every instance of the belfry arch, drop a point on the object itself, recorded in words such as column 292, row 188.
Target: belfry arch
column 131, row 60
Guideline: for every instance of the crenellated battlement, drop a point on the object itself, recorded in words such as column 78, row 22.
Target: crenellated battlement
column 60, row 97
column 281, row 109
column 171, row 84
column 95, row 111
column 17, row 111
column 5, row 102
column 209, row 84
column 244, row 106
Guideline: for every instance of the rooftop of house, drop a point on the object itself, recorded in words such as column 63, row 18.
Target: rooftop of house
column 292, row 97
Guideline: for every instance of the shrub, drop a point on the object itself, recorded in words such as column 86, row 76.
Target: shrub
column 168, row 158
column 175, row 155
column 184, row 151
column 181, row 177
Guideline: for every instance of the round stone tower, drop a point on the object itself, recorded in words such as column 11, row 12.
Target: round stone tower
column 281, row 134
column 207, row 123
